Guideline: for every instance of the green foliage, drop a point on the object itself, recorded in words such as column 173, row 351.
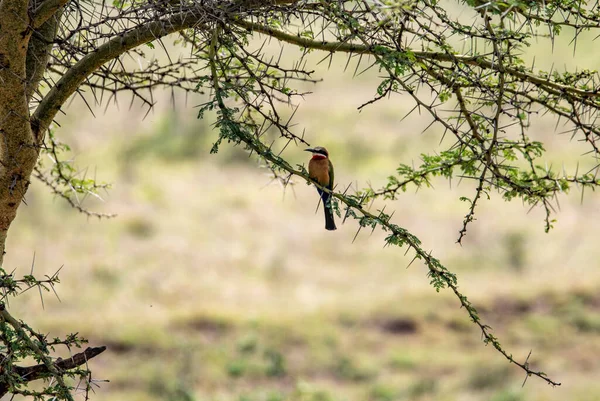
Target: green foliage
column 64, row 179
column 20, row 344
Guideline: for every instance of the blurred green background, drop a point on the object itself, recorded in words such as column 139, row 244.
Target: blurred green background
column 215, row 283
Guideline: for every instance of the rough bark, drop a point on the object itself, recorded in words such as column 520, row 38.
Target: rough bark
column 40, row 45
column 18, row 150
column 45, row 10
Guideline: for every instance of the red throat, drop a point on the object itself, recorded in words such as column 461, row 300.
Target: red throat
column 317, row 156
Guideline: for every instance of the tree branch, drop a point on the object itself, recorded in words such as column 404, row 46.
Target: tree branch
column 52, row 369
column 31, row 373
column 68, row 84
column 46, row 10
column 115, row 47
column 35, row 372
column 38, row 52
column 478, row 61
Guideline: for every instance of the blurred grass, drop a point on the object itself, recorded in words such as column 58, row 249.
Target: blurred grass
column 213, row 283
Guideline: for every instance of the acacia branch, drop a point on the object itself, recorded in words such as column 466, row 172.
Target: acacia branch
column 46, row 10
column 479, row 61
column 31, row 373
column 35, row 372
column 56, row 190
column 77, row 74
column 51, row 368
column 119, row 45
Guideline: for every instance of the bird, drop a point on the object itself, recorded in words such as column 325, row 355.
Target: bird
column 320, row 170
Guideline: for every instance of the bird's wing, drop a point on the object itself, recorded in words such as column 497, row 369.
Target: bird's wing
column 331, row 175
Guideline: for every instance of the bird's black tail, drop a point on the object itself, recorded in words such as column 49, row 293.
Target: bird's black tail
column 329, row 221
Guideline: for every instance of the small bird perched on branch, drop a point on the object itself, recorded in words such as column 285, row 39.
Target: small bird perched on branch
column 320, row 169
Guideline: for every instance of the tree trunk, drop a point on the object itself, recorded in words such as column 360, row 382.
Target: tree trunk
column 18, row 147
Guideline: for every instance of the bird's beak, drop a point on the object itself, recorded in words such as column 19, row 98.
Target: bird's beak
column 309, row 150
